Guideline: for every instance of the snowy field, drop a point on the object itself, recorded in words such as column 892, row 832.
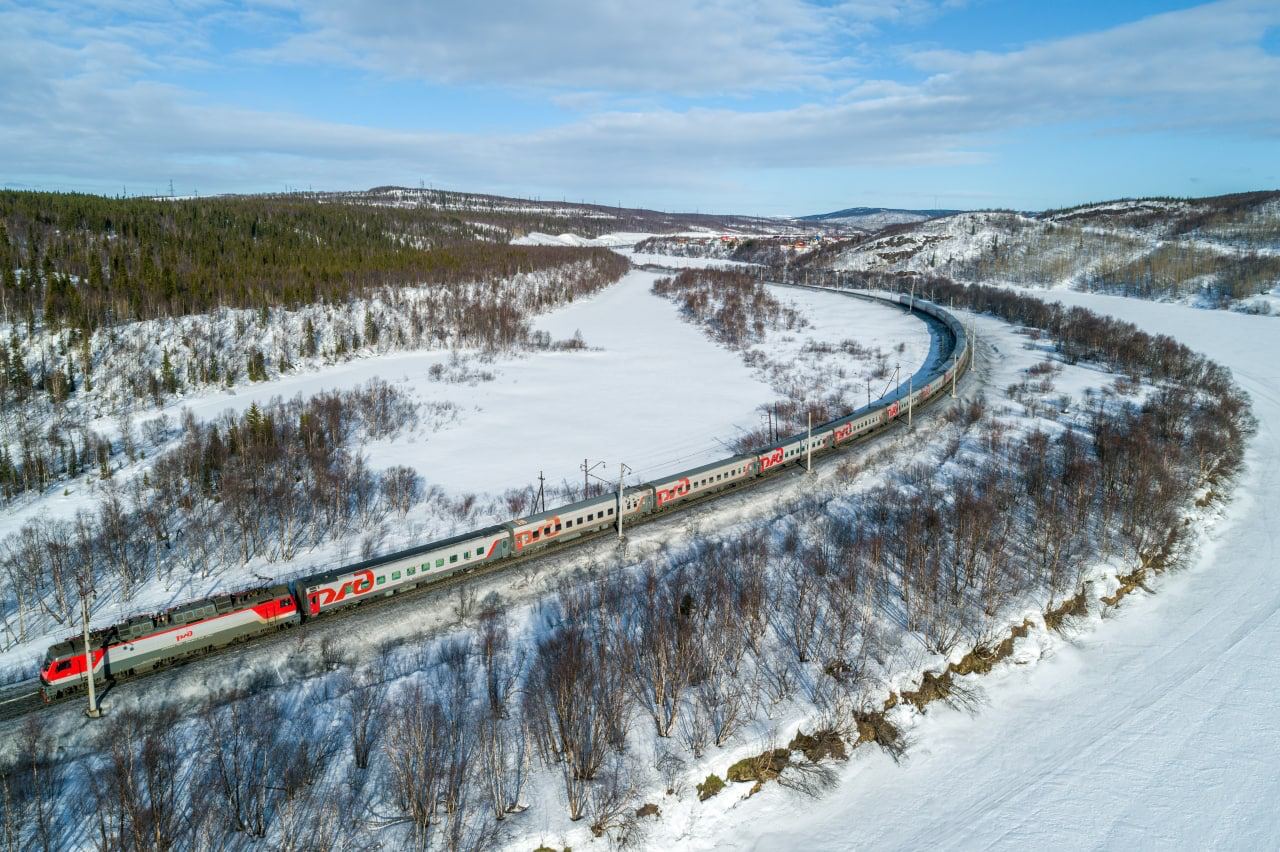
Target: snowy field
column 1158, row 728
column 645, row 258
column 504, row 421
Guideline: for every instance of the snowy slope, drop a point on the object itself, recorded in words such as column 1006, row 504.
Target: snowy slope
column 1213, row 252
column 1158, row 728
column 607, row 240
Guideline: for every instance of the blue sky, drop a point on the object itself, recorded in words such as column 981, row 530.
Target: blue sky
column 751, row 106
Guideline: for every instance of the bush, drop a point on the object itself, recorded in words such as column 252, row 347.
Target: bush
column 710, row 787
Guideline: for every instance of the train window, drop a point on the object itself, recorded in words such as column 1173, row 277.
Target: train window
column 537, row 534
column 453, row 558
column 568, row 523
column 591, row 517
column 610, row 511
column 440, row 562
column 411, row 570
column 63, row 666
column 286, row 601
column 382, row 579
column 557, row 528
column 395, row 575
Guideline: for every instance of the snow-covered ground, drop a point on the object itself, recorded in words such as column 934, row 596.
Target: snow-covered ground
column 1158, row 728
column 624, row 244
column 647, row 258
column 539, row 412
column 613, row 240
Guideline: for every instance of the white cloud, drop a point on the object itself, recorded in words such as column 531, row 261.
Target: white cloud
column 712, row 46
column 1203, row 67
column 76, row 107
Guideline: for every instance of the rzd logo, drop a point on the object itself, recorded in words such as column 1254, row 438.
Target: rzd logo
column 358, row 585
column 771, row 459
column 545, row 531
column 893, row 411
column 842, row 432
column 675, row 492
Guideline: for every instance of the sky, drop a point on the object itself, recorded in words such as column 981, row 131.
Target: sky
column 772, row 107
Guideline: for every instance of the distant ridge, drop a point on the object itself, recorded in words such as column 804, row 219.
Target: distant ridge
column 876, row 217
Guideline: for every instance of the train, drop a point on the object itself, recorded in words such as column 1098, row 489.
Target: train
column 146, row 643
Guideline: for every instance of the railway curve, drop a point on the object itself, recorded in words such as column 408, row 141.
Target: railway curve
column 950, row 356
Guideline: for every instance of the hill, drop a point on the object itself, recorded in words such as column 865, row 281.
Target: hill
column 1218, row 252
column 520, row 216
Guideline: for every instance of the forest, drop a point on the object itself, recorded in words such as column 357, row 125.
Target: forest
column 615, row 686
column 84, row 262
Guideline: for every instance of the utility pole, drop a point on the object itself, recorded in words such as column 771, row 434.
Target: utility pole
column 541, row 502
column 586, row 468
column 913, row 295
column 955, row 371
column 623, row 470
column 83, row 581
column 808, row 446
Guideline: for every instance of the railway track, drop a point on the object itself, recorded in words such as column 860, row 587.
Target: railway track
column 24, row 697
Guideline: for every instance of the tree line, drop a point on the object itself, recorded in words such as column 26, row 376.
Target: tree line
column 736, row 307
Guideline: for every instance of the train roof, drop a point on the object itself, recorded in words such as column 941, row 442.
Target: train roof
column 180, row 613
column 715, row 465
column 335, row 573
column 610, row 497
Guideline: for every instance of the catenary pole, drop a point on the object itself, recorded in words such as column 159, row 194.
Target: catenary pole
column 623, row 470
column 910, row 396
column 808, row 446
column 92, row 710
